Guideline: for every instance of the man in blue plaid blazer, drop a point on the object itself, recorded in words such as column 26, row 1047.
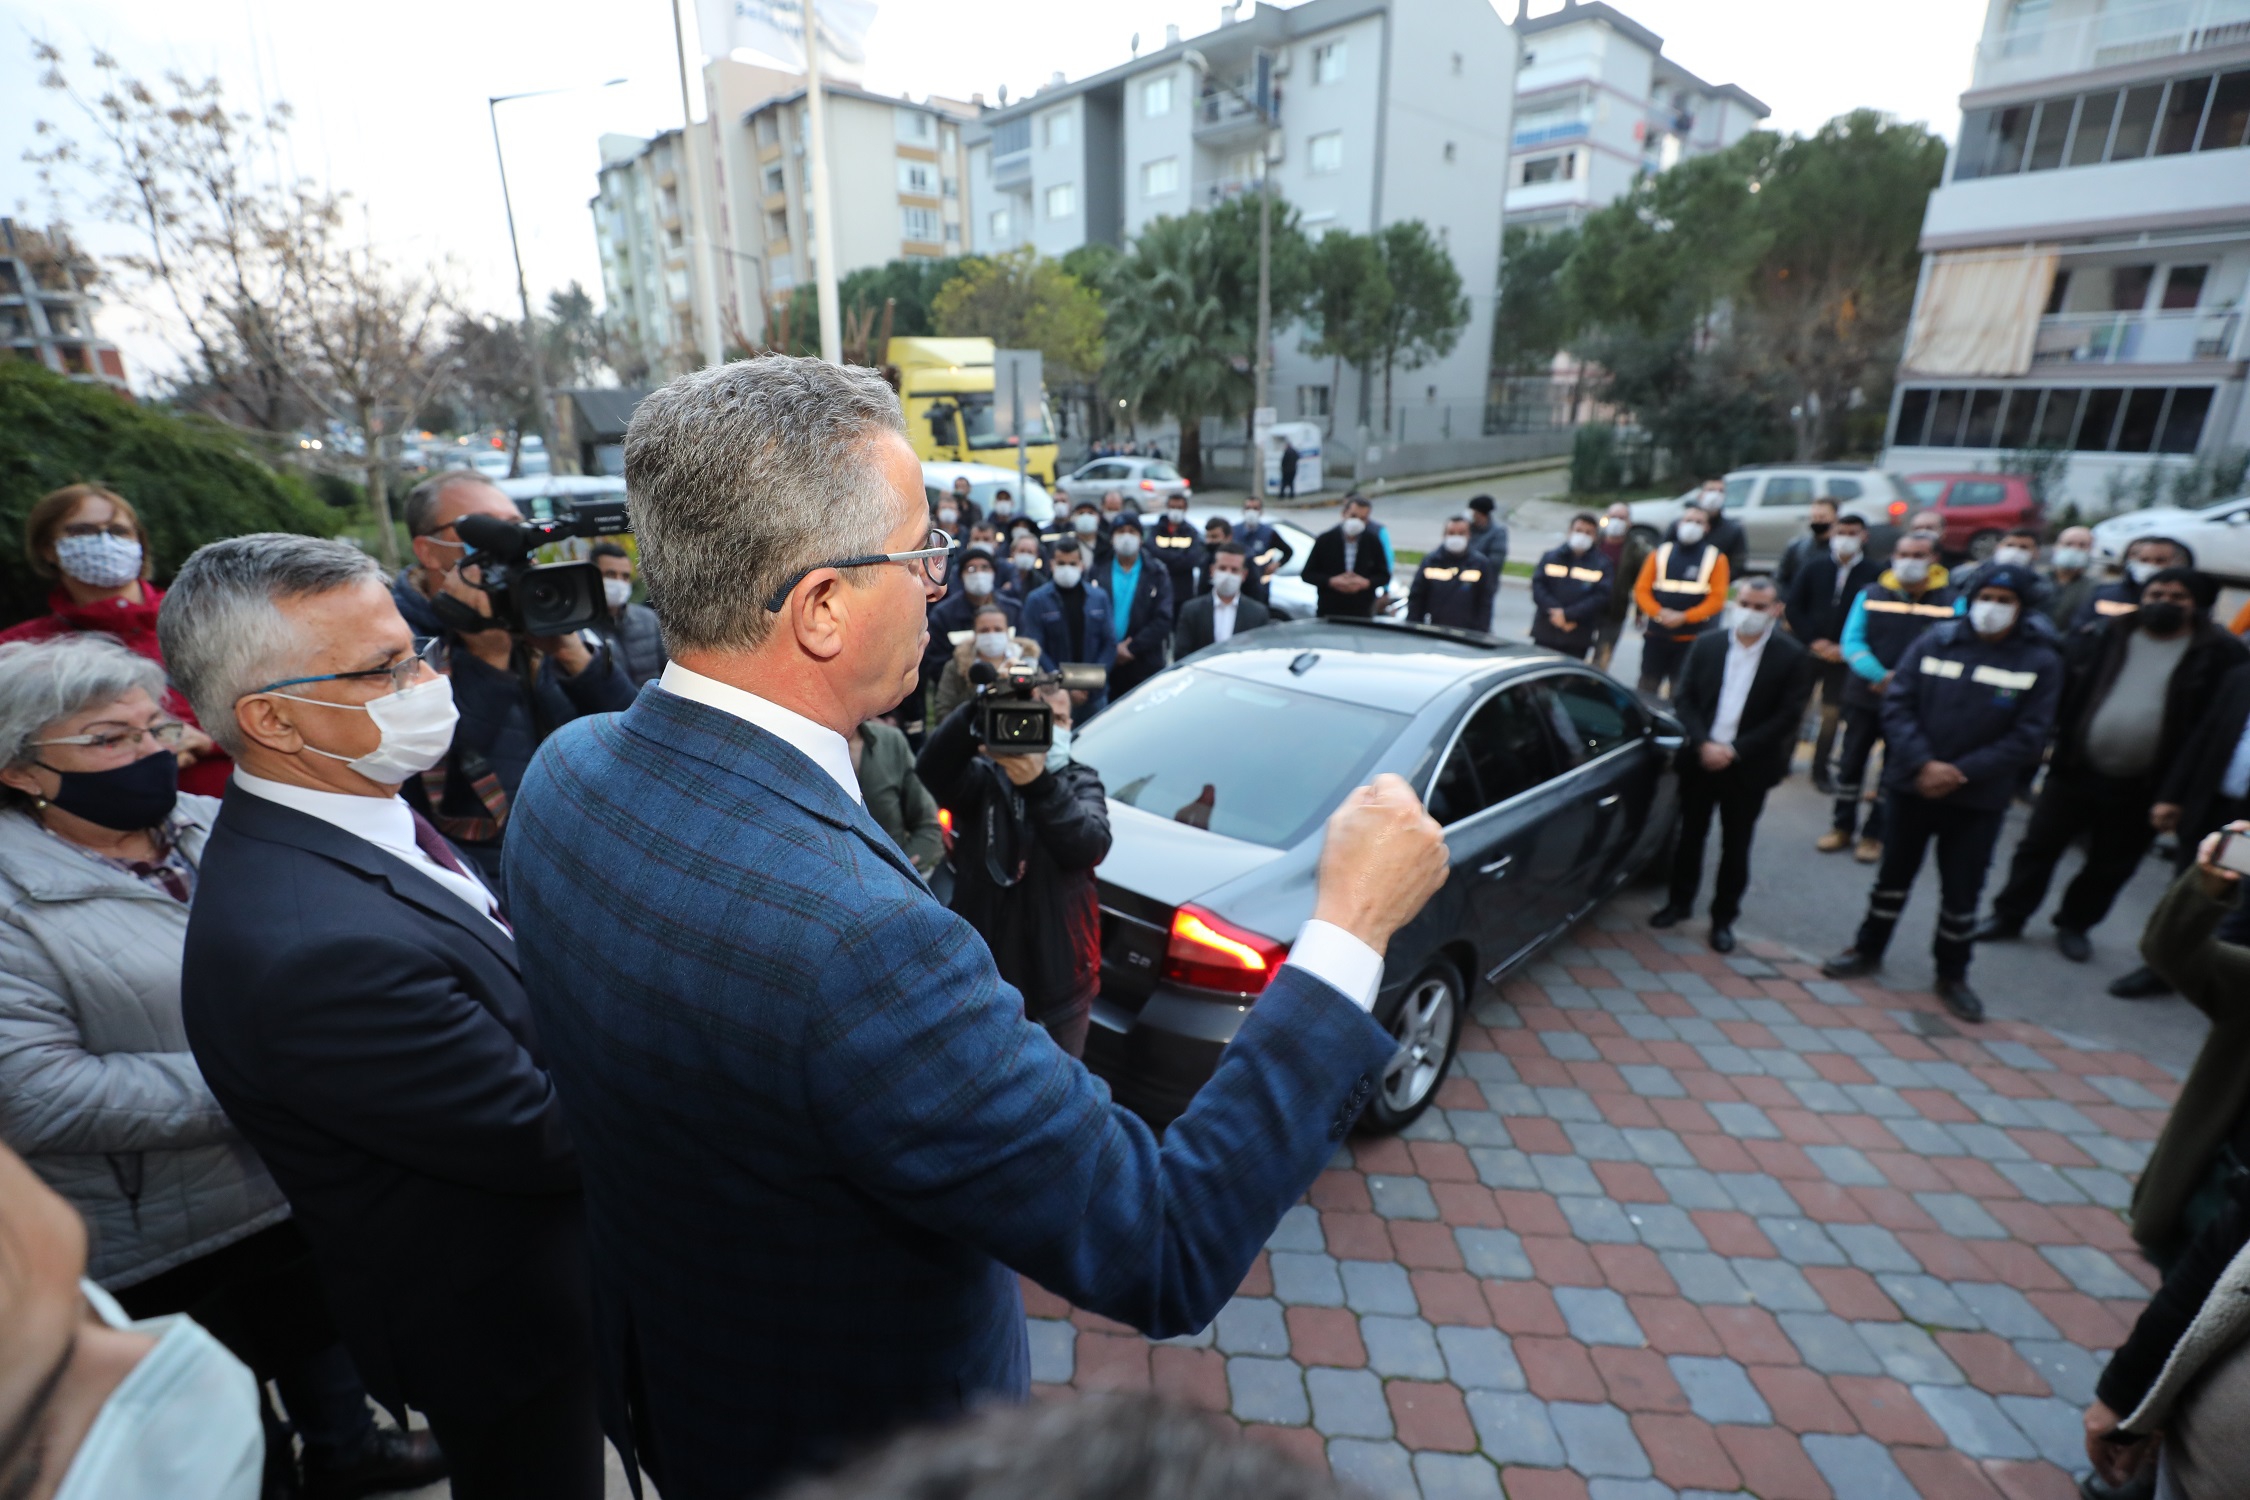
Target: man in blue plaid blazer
column 818, row 1138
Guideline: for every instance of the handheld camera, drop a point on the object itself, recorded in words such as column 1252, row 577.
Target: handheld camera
column 539, row 598
column 1008, row 718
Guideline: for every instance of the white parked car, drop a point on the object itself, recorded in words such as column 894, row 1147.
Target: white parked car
column 1149, row 481
column 1773, row 501
column 2217, row 536
column 1032, row 498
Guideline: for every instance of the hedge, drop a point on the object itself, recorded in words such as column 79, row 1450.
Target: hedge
column 191, row 481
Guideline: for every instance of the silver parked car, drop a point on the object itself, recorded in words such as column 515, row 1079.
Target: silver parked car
column 1149, row 481
column 1773, row 501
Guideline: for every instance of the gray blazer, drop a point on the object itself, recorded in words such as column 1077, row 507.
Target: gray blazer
column 98, row 1091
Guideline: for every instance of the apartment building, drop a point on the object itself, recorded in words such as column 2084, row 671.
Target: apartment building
column 47, row 309
column 1376, row 113
column 897, row 174
column 2086, row 258
column 1597, row 104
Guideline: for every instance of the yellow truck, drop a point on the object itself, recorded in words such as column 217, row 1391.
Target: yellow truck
column 945, row 386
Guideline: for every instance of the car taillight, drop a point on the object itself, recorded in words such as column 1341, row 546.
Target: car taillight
column 1898, row 510
column 1149, row 485
column 1212, row 953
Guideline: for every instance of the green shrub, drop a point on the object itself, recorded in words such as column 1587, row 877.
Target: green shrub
column 192, row 482
column 338, row 493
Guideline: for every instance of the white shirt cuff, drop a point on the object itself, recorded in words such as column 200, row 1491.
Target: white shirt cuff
column 1335, row 957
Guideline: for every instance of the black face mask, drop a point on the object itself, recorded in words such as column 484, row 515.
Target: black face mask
column 1820, row 528
column 2163, row 619
column 126, row 798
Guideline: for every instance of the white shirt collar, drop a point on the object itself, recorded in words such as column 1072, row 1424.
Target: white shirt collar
column 823, row 746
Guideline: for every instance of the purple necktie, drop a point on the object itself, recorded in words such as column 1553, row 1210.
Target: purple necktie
column 431, row 842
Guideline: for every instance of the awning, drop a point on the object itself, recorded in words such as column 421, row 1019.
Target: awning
column 1980, row 311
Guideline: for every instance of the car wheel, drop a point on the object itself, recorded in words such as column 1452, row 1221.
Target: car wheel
column 1982, row 544
column 1427, row 1031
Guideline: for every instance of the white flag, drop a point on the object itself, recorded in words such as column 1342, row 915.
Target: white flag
column 777, row 28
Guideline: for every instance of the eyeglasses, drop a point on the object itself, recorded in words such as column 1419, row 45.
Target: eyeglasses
column 429, row 651
column 103, row 738
column 930, row 561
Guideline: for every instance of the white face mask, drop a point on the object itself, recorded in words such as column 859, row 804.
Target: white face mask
column 99, row 561
column 947, row 515
column 1252, row 516
column 1991, row 617
column 1843, row 547
column 1058, row 754
column 1751, row 624
column 1911, row 571
column 1454, row 543
column 1714, row 501
column 1067, row 575
column 992, row 643
column 184, row 1421
column 1689, row 532
column 1613, row 526
column 1003, row 508
column 1353, row 525
column 618, row 591
column 2140, row 571
column 1085, row 523
column 1127, row 546
column 416, row 725
column 1226, row 585
column 2012, row 557
column 1580, row 541
column 2072, row 559
column 1178, row 513
column 977, row 581
column 1028, row 558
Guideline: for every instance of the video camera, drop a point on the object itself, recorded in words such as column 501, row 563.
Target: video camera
column 535, row 598
column 1008, row 719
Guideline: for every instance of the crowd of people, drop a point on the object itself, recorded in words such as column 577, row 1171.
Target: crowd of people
column 559, row 1037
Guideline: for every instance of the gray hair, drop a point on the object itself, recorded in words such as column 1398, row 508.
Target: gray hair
column 743, row 475
column 420, row 513
column 42, row 681
column 221, row 624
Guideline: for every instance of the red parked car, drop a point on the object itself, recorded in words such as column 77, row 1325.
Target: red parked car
column 1979, row 509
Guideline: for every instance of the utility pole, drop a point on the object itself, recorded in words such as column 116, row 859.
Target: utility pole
column 1261, row 360
column 823, row 235
column 702, row 275
column 531, row 349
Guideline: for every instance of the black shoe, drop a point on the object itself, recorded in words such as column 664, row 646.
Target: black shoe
column 1960, row 999
column 1995, row 929
column 2143, row 983
column 2072, row 944
column 389, row 1460
column 1668, row 916
column 1850, row 964
column 1722, row 938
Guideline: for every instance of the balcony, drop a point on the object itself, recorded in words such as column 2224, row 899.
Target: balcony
column 1013, row 171
column 2159, row 338
column 1227, row 119
column 2109, row 37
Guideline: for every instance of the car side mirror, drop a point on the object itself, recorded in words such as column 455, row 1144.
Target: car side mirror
column 1670, row 744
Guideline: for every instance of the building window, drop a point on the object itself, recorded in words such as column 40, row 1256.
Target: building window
column 777, row 225
column 1054, row 129
column 1159, row 178
column 2209, row 112
column 1156, row 97
column 1062, row 200
column 1002, row 232
column 776, row 181
column 1325, row 152
column 768, row 131
column 2103, row 419
column 914, row 127
column 949, row 140
column 918, row 178
column 1550, row 168
column 1328, row 63
column 919, row 224
column 1312, row 402
column 2183, row 287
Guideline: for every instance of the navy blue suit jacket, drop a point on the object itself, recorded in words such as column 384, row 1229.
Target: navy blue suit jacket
column 365, row 1029
column 818, row 1136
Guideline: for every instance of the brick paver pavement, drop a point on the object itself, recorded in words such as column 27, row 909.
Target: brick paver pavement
column 1684, row 1225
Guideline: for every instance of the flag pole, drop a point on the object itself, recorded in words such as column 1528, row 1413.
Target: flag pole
column 823, row 239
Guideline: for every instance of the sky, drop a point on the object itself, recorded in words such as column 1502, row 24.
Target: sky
column 386, row 96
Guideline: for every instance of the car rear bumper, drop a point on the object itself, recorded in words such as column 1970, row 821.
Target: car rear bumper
column 1154, row 1059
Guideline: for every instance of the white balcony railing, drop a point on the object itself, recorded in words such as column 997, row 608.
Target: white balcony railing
column 2157, row 338
column 2113, row 34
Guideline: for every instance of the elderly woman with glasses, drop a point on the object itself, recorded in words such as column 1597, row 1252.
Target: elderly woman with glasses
column 99, row 853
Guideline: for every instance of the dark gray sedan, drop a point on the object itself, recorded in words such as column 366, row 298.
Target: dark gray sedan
column 1553, row 782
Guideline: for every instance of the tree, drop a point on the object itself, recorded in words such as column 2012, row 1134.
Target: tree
column 576, row 348
column 1175, row 347
column 907, row 288
column 1530, row 322
column 1427, row 311
column 1347, row 307
column 1019, row 299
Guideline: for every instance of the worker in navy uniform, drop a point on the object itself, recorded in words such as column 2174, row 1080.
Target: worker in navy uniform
column 1826, row 586
column 1682, row 588
column 1570, row 588
column 2145, row 557
column 1176, row 542
column 1971, row 705
column 1346, row 566
column 1453, row 586
column 984, row 540
column 1262, row 544
column 1906, row 599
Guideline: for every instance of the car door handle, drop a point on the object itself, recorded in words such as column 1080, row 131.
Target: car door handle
column 1498, row 866
column 1610, row 800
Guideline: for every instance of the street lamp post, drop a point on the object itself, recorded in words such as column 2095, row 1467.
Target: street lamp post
column 537, row 356
column 1260, row 359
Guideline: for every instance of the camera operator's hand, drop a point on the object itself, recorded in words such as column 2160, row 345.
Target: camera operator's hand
column 570, row 652
column 1023, row 770
column 1384, row 858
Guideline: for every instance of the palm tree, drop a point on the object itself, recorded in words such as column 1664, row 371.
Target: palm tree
column 1175, row 345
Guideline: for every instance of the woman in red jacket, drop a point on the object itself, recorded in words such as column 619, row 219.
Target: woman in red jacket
column 89, row 540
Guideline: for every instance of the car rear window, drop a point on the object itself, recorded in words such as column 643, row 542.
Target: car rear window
column 1925, row 490
column 1257, row 763
column 1160, row 470
column 1977, row 492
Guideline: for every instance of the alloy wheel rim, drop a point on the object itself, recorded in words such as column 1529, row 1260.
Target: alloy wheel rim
column 1423, row 1030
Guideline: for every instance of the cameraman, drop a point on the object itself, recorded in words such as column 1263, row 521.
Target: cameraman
column 1028, row 831
column 512, row 691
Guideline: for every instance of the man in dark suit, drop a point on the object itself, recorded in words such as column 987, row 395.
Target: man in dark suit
column 352, row 993
column 1223, row 613
column 1820, row 601
column 820, row 1139
column 1741, row 696
column 1347, row 567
